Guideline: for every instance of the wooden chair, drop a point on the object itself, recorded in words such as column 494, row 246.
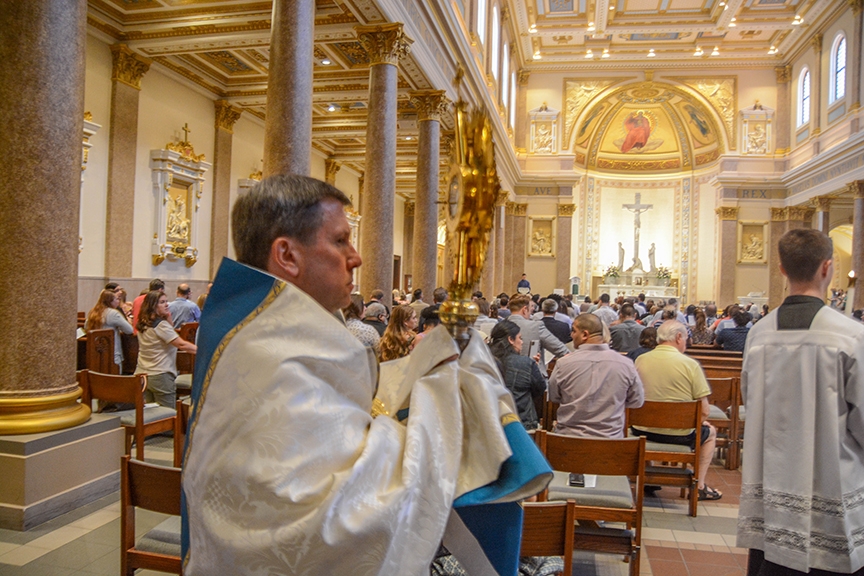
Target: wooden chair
column 189, row 331
column 547, row 530
column 82, row 319
column 185, row 372
column 139, row 422
column 100, row 352
column 155, row 488
column 181, row 423
column 724, row 395
column 129, row 343
column 671, row 415
column 616, row 462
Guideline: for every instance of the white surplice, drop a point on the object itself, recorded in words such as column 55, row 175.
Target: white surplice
column 288, row 473
column 802, row 497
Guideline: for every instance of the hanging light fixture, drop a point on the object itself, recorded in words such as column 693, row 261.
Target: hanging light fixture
column 589, row 53
column 591, row 27
column 698, row 52
column 532, row 29
column 715, row 52
column 651, row 53
column 605, row 53
column 331, row 108
column 798, row 20
column 537, row 55
column 325, row 62
column 732, row 23
column 772, row 50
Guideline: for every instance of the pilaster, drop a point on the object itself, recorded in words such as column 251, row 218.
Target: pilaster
column 563, row 246
column 728, row 256
column 226, row 117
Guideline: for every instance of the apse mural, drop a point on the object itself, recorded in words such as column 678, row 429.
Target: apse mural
column 638, row 126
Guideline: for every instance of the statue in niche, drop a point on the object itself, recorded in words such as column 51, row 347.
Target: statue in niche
column 651, row 265
column 756, row 140
column 540, row 244
column 620, row 256
column 178, row 223
column 753, row 248
column 543, row 139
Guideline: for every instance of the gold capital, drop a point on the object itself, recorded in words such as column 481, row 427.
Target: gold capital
column 226, row 116
column 522, row 76
column 430, row 104
column 520, row 209
column 816, row 43
column 856, row 5
column 501, row 198
column 128, row 67
column 784, row 74
column 856, row 188
column 822, row 203
column 566, row 210
column 727, row 212
column 331, row 167
column 385, row 43
column 409, row 209
column 799, row 213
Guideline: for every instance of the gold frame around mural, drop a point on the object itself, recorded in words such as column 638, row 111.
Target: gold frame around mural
column 752, row 242
column 553, row 233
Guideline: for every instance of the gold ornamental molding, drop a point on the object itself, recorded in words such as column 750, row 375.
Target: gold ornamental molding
column 331, row 167
column 385, row 43
column 128, row 67
column 185, row 148
column 430, row 104
column 226, row 116
column 510, row 208
column 727, row 212
column 779, row 214
column 856, row 188
column 35, row 414
column 520, row 209
column 816, row 43
column 822, row 203
column 501, row 199
column 856, row 5
column 799, row 213
column 566, row 210
column 784, row 74
column 522, row 76
column 409, row 209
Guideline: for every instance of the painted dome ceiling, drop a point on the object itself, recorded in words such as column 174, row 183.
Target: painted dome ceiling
column 649, row 126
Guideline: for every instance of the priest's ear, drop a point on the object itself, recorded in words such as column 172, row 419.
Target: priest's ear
column 285, row 260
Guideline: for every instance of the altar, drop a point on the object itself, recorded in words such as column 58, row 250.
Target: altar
column 650, row 291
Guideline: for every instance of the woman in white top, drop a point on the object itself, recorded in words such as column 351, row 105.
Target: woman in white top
column 157, row 349
column 105, row 315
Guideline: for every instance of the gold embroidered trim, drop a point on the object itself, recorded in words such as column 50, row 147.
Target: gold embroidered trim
column 509, row 419
column 378, row 408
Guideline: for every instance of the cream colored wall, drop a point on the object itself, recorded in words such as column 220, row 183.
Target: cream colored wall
column 706, row 243
column 540, row 270
column 247, row 153
column 97, row 100
column 752, row 277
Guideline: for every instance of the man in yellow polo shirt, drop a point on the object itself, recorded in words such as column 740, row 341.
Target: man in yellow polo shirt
column 669, row 376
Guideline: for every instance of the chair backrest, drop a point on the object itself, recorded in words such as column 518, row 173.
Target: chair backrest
column 185, row 362
column 666, row 415
column 82, row 319
column 724, row 392
column 188, row 331
column 129, row 343
column 151, row 487
column 547, row 530
column 112, row 387
column 602, row 456
column 100, row 352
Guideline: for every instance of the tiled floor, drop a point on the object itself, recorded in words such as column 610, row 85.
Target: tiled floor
column 87, row 540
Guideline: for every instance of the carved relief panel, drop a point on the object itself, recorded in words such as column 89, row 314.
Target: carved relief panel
column 757, row 129
column 541, row 236
column 544, row 130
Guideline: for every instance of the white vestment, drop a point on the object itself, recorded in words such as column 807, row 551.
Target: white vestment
column 288, row 473
column 802, row 497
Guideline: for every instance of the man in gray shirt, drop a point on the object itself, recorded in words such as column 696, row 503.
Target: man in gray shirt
column 593, row 385
column 625, row 334
column 533, row 330
column 604, row 311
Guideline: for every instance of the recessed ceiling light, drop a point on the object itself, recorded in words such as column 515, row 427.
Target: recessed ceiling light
column 591, row 27
column 715, row 52
column 532, row 29
column 732, row 23
column 407, row 137
column 798, row 20
column 699, row 51
column 605, row 53
column 722, row 3
column 325, row 61
column 772, row 50
column 611, row 7
column 651, row 53
column 537, row 55
column 589, row 53
column 331, row 108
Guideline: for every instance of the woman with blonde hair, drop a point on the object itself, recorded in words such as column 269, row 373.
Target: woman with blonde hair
column 398, row 338
column 105, row 315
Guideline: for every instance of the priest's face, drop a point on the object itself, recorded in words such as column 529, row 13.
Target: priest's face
column 325, row 266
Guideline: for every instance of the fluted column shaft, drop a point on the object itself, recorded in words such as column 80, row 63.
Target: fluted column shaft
column 288, row 125
column 385, row 44
column 776, row 280
column 857, row 189
column 816, row 91
column 521, row 128
column 783, row 133
column 498, row 236
column 42, row 104
column 520, row 223
column 509, row 223
column 430, row 105
column 408, row 243
column 855, row 53
column 728, row 254
column 226, row 116
column 128, row 69
column 563, row 246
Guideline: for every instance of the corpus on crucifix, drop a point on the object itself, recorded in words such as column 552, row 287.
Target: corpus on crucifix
column 637, row 208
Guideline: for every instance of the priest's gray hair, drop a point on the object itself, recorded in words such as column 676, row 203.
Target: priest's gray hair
column 286, row 205
column 668, row 331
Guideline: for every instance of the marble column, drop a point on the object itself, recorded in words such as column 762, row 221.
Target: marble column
column 564, row 246
column 509, row 223
column 823, row 212
column 855, row 54
column 521, row 128
column 42, row 104
column 408, row 243
column 857, row 190
column 331, row 168
column 498, row 233
column 128, row 69
column 385, row 44
column 520, row 213
column 783, row 132
column 816, row 91
column 487, row 276
column 431, row 105
column 226, row 116
column 776, row 280
column 288, row 124
column 728, row 256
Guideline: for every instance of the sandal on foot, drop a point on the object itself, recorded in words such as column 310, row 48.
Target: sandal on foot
column 708, row 493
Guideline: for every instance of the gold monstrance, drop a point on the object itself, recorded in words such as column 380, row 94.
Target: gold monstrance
column 471, row 206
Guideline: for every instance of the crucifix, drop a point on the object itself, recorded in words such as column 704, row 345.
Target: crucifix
column 637, row 208
column 186, row 131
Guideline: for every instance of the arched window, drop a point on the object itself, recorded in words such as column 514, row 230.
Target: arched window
column 495, row 41
column 481, row 21
column 838, row 69
column 505, row 76
column 804, row 98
